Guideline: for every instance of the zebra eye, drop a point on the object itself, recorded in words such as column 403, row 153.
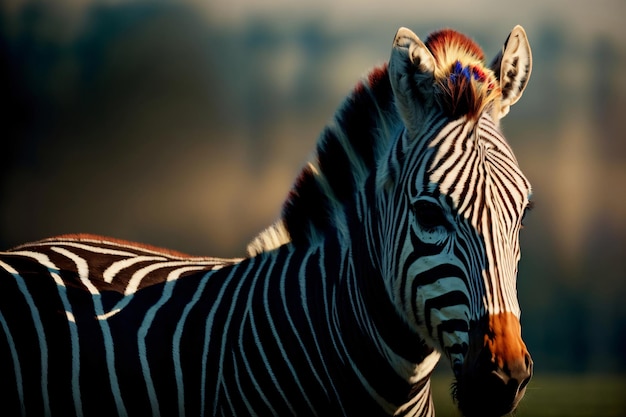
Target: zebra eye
column 429, row 215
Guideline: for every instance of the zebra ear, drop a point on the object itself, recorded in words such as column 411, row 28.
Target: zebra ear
column 512, row 66
column 411, row 69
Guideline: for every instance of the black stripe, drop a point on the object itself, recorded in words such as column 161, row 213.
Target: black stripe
column 447, row 299
column 336, row 166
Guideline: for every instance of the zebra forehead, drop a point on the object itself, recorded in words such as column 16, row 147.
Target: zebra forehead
column 474, row 166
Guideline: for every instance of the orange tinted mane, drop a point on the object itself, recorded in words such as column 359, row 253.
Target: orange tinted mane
column 466, row 85
column 97, row 239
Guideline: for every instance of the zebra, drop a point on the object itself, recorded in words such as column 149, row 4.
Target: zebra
column 397, row 244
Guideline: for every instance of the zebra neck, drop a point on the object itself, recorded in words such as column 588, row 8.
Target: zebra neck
column 372, row 332
column 347, row 153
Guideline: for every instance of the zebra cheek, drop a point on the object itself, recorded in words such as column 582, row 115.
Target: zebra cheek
column 445, row 323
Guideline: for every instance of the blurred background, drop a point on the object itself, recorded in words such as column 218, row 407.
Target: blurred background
column 183, row 124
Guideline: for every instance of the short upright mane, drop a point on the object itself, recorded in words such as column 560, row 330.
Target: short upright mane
column 349, row 147
column 347, row 151
column 466, row 85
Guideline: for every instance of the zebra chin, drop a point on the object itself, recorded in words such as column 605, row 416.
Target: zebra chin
column 497, row 369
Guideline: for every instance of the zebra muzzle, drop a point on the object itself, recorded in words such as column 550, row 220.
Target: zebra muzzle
column 497, row 369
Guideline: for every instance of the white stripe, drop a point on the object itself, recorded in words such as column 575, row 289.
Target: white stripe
column 207, row 334
column 304, row 349
column 420, row 404
column 89, row 248
column 73, row 329
column 75, row 346
column 242, row 392
column 388, row 407
column 138, row 276
column 109, row 347
column 143, row 332
column 302, row 280
column 16, row 361
column 249, row 313
column 178, row 333
column 116, row 267
column 135, row 281
column 41, row 337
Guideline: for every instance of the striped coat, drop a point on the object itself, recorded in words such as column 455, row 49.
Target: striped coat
column 398, row 244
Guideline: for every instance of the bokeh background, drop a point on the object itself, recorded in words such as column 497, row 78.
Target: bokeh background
column 183, row 124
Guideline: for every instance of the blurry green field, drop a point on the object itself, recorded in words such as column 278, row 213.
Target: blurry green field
column 555, row 396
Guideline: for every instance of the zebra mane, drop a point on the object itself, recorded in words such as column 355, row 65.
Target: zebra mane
column 347, row 151
column 465, row 84
column 350, row 146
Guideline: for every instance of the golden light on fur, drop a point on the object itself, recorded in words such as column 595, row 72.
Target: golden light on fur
column 466, row 85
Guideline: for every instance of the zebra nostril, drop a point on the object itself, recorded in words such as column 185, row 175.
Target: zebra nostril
column 529, row 363
column 501, row 375
column 523, row 384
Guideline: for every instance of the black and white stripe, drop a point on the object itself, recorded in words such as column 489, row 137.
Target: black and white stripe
column 395, row 241
column 264, row 336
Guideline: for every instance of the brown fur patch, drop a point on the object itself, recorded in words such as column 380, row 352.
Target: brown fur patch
column 504, row 339
column 89, row 238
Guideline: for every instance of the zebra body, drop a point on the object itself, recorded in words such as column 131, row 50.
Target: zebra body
column 211, row 314
column 397, row 245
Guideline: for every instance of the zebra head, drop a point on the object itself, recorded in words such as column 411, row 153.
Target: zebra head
column 451, row 265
